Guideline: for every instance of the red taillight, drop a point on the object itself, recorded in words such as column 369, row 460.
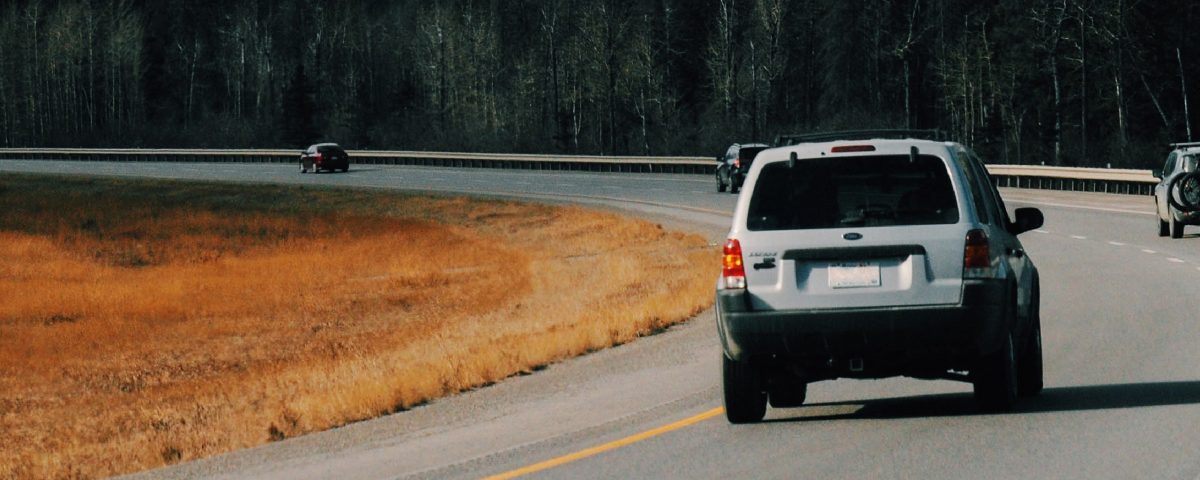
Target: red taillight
column 317, row 156
column 737, row 162
column 733, row 271
column 852, row 149
column 977, row 259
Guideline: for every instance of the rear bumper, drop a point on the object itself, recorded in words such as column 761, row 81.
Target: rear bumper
column 882, row 341
column 1187, row 218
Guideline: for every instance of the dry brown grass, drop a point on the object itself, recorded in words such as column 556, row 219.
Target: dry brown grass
column 144, row 324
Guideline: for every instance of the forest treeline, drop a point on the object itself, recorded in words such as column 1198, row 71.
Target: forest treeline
column 1060, row 82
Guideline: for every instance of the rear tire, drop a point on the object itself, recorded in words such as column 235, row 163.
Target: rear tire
column 1029, row 373
column 995, row 378
column 745, row 400
column 1029, row 366
column 1176, row 229
column 1164, row 228
column 720, row 184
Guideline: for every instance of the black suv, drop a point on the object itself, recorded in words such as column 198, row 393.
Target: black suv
column 735, row 163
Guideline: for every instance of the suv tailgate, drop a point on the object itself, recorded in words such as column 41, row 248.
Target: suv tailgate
column 886, row 267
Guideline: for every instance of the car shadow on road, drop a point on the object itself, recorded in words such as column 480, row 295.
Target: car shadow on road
column 1060, row 399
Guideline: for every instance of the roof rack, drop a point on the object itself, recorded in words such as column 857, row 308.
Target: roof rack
column 786, row 140
column 1185, row 145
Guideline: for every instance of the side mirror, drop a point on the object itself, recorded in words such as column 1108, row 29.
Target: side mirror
column 1027, row 219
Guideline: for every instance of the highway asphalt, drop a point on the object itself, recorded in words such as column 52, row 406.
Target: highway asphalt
column 1121, row 345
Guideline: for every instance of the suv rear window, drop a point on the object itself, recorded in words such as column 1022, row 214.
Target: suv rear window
column 872, row 191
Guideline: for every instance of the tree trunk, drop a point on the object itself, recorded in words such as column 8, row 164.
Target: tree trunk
column 1187, row 117
column 1083, row 87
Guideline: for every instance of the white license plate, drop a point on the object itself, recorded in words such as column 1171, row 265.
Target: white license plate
column 854, row 275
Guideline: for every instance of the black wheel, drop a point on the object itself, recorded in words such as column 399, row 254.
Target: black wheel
column 1164, row 228
column 1029, row 366
column 1184, row 192
column 720, row 184
column 995, row 378
column 1176, row 229
column 734, row 188
column 787, row 396
column 745, row 400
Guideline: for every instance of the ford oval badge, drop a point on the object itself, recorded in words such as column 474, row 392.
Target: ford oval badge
column 852, row 236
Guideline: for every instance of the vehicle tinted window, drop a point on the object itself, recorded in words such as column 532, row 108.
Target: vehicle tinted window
column 853, row 192
column 1188, row 163
column 981, row 209
column 991, row 196
column 1169, row 167
column 748, row 154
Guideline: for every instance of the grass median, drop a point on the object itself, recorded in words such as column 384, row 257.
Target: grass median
column 144, row 323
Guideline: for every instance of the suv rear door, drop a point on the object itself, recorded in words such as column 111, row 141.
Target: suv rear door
column 854, row 231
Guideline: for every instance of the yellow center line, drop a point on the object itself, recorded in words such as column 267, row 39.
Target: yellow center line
column 582, row 454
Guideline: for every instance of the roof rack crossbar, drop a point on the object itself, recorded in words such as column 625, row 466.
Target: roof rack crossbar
column 786, row 140
column 1185, row 145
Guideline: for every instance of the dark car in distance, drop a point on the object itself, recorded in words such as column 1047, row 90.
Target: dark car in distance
column 735, row 163
column 324, row 156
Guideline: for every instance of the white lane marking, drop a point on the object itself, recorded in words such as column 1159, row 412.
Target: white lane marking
column 1078, row 237
column 1083, row 207
column 1117, row 244
column 1040, row 231
column 612, row 187
column 1175, row 260
column 1152, row 252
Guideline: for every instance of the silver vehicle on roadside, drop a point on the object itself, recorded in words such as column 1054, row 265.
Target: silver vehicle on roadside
column 1177, row 195
column 858, row 256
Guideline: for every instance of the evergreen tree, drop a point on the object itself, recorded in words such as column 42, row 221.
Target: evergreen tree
column 299, row 111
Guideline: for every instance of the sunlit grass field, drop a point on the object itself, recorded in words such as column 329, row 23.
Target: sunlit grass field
column 145, row 323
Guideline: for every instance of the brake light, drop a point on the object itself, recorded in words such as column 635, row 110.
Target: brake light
column 317, row 156
column 733, row 271
column 852, row 148
column 737, row 162
column 977, row 259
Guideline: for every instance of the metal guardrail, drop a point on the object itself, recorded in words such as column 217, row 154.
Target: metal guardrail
column 696, row 165
column 1106, row 180
column 1134, row 182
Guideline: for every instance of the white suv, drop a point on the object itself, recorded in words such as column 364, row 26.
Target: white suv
column 875, row 258
column 1177, row 195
